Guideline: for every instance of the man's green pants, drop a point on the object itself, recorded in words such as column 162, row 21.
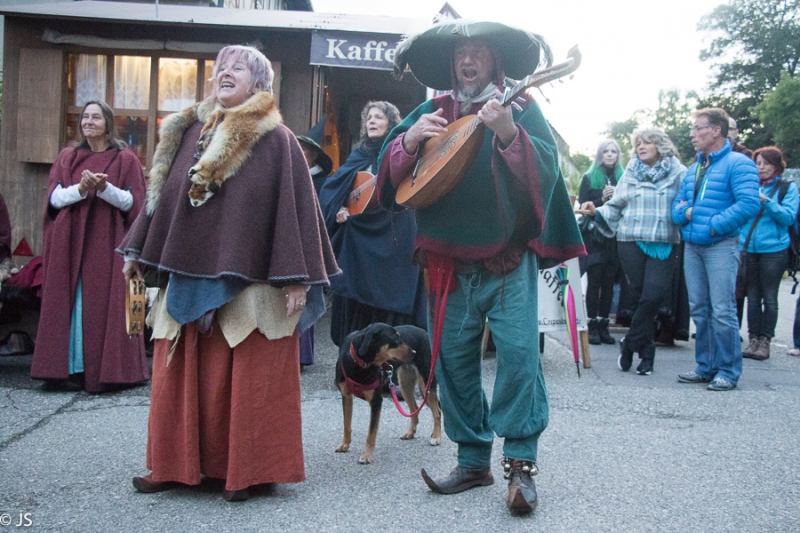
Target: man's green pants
column 519, row 411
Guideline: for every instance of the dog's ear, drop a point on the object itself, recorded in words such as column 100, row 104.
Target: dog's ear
column 362, row 344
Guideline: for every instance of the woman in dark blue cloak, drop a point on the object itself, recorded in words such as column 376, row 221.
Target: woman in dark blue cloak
column 374, row 249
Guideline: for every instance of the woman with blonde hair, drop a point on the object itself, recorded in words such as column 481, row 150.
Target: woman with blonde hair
column 639, row 215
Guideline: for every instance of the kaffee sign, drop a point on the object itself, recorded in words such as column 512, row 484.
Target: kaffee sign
column 353, row 49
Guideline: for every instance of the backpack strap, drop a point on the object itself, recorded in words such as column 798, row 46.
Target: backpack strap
column 783, row 189
column 755, row 221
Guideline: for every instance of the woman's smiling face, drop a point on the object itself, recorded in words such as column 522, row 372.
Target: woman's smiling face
column 232, row 83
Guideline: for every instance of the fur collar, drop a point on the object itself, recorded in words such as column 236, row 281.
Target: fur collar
column 228, row 138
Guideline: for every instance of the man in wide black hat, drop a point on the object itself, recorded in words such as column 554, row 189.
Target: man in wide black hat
column 484, row 242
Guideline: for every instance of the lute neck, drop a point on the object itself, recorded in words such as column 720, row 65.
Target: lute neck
column 538, row 79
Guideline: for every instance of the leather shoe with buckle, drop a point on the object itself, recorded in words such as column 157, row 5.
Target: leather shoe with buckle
column 147, row 485
column 459, row 480
column 522, row 497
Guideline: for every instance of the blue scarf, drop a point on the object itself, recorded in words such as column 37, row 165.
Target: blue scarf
column 643, row 172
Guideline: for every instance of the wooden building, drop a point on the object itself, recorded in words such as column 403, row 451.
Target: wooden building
column 147, row 65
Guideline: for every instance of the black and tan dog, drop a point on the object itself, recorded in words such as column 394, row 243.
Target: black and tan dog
column 360, row 372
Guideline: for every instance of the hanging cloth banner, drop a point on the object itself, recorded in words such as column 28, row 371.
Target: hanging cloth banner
column 353, row 49
column 552, row 314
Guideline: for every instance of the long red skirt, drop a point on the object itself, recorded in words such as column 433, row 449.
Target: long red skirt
column 226, row 413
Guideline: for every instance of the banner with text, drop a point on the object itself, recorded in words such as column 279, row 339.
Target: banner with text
column 353, row 49
column 551, row 306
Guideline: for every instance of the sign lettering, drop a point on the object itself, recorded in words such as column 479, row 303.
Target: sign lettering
column 353, row 49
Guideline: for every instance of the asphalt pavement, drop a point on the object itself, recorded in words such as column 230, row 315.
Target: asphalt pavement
column 622, row 453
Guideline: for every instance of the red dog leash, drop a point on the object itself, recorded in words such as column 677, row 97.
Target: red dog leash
column 441, row 271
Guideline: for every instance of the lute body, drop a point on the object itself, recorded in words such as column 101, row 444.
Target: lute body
column 442, row 164
column 362, row 195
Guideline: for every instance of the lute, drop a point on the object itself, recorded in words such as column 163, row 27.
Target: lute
column 444, row 160
column 362, row 194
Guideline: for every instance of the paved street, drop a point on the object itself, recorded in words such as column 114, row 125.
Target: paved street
column 622, row 453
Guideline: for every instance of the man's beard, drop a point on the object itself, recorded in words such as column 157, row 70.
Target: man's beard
column 474, row 89
column 471, row 91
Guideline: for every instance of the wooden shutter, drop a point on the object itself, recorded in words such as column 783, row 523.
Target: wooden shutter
column 40, row 113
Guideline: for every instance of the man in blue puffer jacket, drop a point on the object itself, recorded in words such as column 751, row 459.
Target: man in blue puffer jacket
column 718, row 196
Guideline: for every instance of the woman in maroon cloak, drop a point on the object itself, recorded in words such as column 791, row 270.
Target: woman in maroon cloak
column 96, row 189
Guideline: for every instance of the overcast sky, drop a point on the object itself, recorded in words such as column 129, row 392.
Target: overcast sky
column 631, row 50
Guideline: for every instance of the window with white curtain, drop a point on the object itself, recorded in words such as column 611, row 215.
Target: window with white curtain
column 90, row 79
column 177, row 83
column 131, row 82
column 127, row 87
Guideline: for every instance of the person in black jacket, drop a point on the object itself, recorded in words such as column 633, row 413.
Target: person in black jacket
column 602, row 264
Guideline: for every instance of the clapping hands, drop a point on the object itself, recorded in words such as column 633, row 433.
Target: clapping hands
column 90, row 180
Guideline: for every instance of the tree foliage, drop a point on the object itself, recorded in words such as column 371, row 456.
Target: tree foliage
column 780, row 114
column 621, row 132
column 582, row 162
column 754, row 46
column 755, row 41
column 674, row 116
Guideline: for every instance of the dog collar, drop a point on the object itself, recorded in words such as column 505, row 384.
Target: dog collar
column 360, row 362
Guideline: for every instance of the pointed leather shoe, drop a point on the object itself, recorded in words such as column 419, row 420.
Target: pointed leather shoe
column 146, row 484
column 459, row 480
column 522, row 497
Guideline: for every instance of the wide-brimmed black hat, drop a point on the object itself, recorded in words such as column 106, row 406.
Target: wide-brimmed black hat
column 313, row 138
column 429, row 54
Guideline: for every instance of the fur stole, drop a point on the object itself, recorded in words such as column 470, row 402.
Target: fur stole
column 225, row 143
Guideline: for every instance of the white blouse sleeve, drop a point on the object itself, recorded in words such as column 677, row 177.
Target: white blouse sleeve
column 122, row 200
column 62, row 197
